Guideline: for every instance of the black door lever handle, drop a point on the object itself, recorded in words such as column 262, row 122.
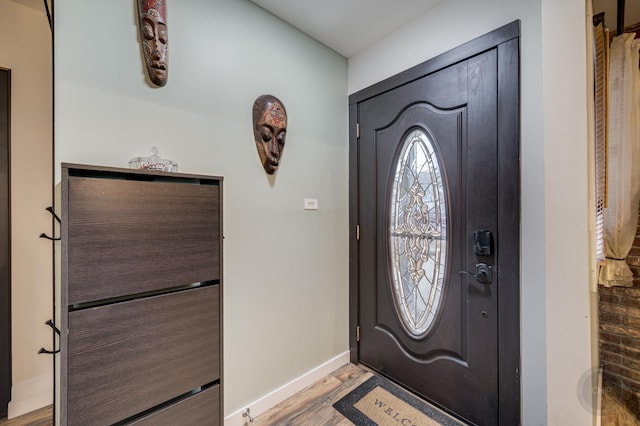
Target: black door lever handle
column 483, row 273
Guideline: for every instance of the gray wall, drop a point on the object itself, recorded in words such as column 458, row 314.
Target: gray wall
column 285, row 269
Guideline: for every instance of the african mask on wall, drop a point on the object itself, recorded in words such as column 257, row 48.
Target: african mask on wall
column 269, row 130
column 154, row 39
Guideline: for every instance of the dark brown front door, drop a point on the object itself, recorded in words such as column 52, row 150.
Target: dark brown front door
column 5, row 245
column 437, row 212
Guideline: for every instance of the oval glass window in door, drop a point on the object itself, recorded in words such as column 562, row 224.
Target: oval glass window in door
column 418, row 233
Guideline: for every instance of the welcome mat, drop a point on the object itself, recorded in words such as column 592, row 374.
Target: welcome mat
column 378, row 402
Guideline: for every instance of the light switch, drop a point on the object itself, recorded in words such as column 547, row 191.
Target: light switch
column 311, row 204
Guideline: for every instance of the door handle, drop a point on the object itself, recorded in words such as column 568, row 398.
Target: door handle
column 483, row 273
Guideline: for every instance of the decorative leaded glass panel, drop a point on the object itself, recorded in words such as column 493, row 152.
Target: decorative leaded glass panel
column 418, row 233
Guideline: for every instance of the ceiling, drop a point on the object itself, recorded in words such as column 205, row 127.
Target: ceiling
column 347, row 26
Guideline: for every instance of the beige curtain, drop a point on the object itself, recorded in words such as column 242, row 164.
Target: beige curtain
column 621, row 213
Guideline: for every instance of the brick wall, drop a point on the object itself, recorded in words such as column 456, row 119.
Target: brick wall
column 619, row 312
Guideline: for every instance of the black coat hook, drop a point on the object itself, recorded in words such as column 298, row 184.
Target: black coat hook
column 57, row 331
column 52, row 325
column 43, row 235
column 50, row 210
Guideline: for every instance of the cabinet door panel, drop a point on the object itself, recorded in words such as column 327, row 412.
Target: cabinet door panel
column 127, row 357
column 197, row 410
column 117, row 250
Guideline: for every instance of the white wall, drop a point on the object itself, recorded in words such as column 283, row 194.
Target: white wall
column 567, row 245
column 555, row 328
column 25, row 48
column 285, row 269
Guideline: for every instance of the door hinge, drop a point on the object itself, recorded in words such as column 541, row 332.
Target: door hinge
column 357, row 333
column 357, row 130
column 358, row 232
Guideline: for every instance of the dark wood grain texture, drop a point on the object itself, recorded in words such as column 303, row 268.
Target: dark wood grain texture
column 128, row 357
column 141, row 295
column 200, row 409
column 134, row 236
column 464, row 51
column 509, row 225
column 481, row 195
column 489, row 172
column 5, row 242
column 436, row 102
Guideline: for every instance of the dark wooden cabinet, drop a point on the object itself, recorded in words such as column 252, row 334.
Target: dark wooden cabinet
column 141, row 310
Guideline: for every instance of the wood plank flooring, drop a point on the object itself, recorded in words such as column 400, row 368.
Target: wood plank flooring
column 311, row 406
column 314, row 404
column 41, row 417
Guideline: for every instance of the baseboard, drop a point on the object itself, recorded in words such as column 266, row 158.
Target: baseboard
column 275, row 397
column 30, row 395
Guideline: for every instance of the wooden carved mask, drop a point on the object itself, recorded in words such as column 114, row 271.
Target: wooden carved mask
column 269, row 130
column 154, row 39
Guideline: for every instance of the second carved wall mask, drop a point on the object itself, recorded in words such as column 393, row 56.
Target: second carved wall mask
column 269, row 130
column 154, row 39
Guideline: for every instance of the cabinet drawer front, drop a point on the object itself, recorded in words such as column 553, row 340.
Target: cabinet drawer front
column 128, row 357
column 114, row 249
column 197, row 410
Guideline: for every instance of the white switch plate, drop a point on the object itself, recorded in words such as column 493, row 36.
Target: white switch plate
column 311, row 204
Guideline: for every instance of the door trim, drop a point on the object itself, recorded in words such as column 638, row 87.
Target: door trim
column 5, row 242
column 506, row 40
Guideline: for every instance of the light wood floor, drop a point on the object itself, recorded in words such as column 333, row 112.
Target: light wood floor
column 314, row 405
column 311, row 406
column 41, row 417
